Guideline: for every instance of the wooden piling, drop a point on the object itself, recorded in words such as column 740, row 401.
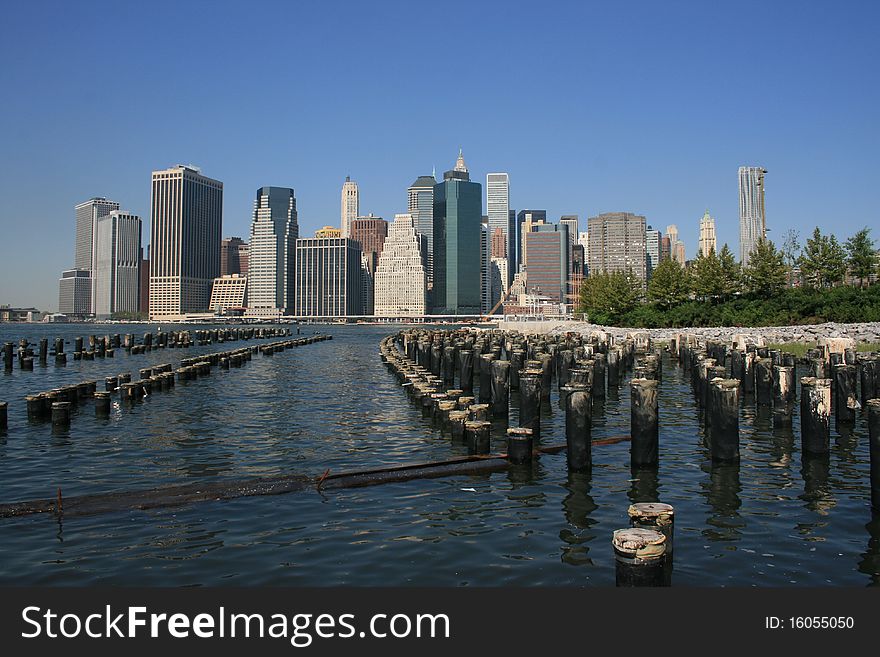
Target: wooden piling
column 815, row 415
column 724, row 420
column 873, row 408
column 644, row 423
column 578, row 426
column 520, row 445
column 530, row 401
column 639, row 556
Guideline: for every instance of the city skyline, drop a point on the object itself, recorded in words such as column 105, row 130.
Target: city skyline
column 573, row 153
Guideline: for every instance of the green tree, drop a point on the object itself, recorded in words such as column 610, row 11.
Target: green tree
column 605, row 297
column 706, row 278
column 731, row 273
column 766, row 274
column 861, row 256
column 823, row 262
column 669, row 284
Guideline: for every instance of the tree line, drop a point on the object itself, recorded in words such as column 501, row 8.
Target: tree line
column 791, row 284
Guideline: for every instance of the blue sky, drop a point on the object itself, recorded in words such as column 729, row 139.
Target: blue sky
column 591, row 107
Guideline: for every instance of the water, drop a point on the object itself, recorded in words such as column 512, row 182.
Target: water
column 771, row 521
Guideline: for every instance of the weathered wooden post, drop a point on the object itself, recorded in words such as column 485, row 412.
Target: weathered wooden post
column 661, row 518
column 868, row 376
column 519, row 445
column 60, row 415
column 44, row 350
column 565, row 359
column 599, row 370
column 764, row 381
column 4, row 406
column 102, row 404
column 844, row 393
column 724, row 420
column 500, row 398
column 640, row 556
column 815, row 415
column 517, row 360
column 466, row 370
column 457, row 420
column 546, row 361
column 873, row 407
column 644, row 424
column 476, row 435
column 448, row 366
column 578, row 429
column 530, row 401
column 485, row 392
column 748, row 377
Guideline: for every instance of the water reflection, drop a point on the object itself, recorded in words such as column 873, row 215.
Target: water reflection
column 645, row 485
column 577, row 505
column 870, row 561
column 722, row 494
column 817, row 492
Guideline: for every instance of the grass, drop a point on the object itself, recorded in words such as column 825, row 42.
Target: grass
column 799, row 349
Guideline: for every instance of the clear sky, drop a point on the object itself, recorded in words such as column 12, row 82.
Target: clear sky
column 648, row 107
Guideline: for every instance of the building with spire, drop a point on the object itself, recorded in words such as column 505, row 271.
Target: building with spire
column 350, row 205
column 708, row 243
column 458, row 213
column 401, row 282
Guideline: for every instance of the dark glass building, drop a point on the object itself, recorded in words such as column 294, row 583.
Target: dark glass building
column 458, row 212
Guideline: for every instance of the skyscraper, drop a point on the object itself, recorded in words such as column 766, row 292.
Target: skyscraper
column 117, row 264
column 525, row 220
column 498, row 207
column 708, row 243
column 499, row 243
column 401, row 282
column 75, row 292
column 272, row 267
column 458, row 205
column 328, row 277
column 186, row 213
column 486, row 301
column 617, row 244
column 420, row 204
column 350, row 204
column 676, row 246
column 752, row 220
column 370, row 232
column 652, row 249
column 86, row 215
column 234, row 256
column 571, row 221
column 547, row 262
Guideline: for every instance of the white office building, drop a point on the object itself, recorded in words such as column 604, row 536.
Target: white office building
column 117, row 264
column 401, row 282
column 708, row 243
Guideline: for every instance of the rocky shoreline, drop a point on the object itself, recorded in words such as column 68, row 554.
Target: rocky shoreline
column 864, row 332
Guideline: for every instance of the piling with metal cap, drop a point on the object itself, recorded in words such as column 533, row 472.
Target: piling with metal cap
column 640, row 557
column 578, row 426
column 724, row 420
column 815, row 415
column 520, row 445
column 530, row 401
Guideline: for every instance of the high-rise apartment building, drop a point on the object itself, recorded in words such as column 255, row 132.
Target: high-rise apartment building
column 328, row 277
column 116, row 265
column 186, row 219
column 752, row 219
column 401, row 282
column 272, row 265
column 571, row 222
column 708, row 243
column 498, row 246
column 652, row 249
column 350, row 205
column 234, row 256
column 229, row 294
column 420, row 204
column 617, row 243
column 547, row 263
column 457, row 224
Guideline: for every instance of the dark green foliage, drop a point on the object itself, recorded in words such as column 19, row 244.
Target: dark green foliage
column 669, row 284
column 606, row 297
column 861, row 256
column 766, row 273
column 823, row 263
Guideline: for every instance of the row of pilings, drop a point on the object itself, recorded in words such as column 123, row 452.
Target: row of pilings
column 463, row 377
column 56, row 405
column 96, row 346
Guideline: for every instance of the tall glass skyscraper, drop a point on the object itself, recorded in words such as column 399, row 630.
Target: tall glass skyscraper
column 186, row 218
column 272, row 261
column 117, row 265
column 458, row 213
column 498, row 205
column 752, row 221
